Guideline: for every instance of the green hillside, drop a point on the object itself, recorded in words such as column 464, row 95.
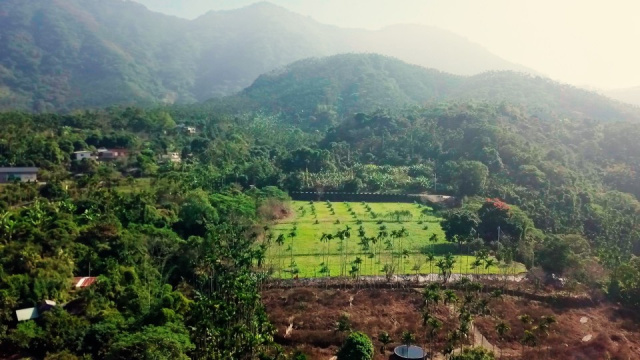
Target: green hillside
column 329, row 88
column 68, row 54
column 323, row 91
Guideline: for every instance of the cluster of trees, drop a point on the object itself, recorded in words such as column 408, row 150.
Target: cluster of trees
column 174, row 262
column 551, row 175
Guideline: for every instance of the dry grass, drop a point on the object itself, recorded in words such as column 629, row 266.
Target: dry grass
column 314, row 313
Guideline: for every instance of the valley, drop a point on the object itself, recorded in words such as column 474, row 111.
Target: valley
column 253, row 184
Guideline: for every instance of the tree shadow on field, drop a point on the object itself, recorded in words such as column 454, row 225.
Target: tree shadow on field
column 441, row 249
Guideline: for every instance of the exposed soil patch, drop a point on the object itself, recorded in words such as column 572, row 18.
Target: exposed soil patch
column 314, row 312
column 608, row 332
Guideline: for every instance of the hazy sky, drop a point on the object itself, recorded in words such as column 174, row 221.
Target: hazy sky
column 582, row 42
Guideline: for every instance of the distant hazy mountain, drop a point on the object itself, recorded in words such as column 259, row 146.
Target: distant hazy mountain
column 431, row 47
column 327, row 89
column 64, row 54
column 629, row 95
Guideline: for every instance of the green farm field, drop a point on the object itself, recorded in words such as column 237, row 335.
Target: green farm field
column 301, row 242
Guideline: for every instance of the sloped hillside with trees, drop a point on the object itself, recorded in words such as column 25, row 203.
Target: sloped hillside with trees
column 324, row 91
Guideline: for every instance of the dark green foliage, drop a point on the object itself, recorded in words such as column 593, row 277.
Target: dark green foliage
column 63, row 331
column 477, row 353
column 357, row 346
column 555, row 256
column 460, row 224
column 298, row 355
column 25, row 334
column 469, row 178
column 324, row 91
column 196, row 212
column 152, row 343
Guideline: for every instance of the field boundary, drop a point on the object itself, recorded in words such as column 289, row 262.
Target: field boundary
column 490, row 283
column 439, row 200
column 409, row 280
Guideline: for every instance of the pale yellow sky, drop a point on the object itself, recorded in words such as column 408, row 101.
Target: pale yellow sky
column 581, row 42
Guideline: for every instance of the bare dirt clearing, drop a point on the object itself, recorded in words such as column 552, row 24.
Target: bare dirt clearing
column 314, row 313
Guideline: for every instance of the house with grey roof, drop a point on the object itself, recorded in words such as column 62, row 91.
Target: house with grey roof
column 20, row 174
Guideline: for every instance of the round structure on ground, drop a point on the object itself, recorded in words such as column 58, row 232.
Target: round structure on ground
column 409, row 352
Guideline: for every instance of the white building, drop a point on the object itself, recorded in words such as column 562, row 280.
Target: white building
column 174, row 157
column 81, row 155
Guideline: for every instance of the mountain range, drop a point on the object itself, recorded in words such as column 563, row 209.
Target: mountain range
column 325, row 90
column 59, row 55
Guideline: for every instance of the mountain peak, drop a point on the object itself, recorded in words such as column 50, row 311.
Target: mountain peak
column 137, row 55
column 260, row 7
column 351, row 83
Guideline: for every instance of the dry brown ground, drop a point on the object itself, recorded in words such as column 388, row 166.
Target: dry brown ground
column 314, row 312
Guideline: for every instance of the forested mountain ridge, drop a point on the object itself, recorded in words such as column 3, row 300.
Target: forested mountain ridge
column 68, row 54
column 323, row 91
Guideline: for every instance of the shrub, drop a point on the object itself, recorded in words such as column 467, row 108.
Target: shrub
column 358, row 346
column 298, row 355
column 477, row 353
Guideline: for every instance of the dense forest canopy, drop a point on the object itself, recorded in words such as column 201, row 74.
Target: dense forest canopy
column 320, row 92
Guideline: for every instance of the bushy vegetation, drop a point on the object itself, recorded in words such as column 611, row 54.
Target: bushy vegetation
column 173, row 264
column 181, row 247
column 358, row 346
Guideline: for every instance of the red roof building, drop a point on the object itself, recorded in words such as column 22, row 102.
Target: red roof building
column 83, row 282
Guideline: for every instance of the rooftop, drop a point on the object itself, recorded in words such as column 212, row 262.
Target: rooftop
column 4, row 170
column 80, row 282
column 27, row 314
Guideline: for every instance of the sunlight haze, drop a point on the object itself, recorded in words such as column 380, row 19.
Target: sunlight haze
column 584, row 43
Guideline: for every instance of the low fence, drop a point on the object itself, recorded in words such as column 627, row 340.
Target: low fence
column 442, row 200
column 411, row 282
column 391, row 281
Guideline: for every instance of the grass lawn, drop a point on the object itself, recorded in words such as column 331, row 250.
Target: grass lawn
column 312, row 220
column 138, row 184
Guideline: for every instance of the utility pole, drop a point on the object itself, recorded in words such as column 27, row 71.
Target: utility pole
column 435, row 177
